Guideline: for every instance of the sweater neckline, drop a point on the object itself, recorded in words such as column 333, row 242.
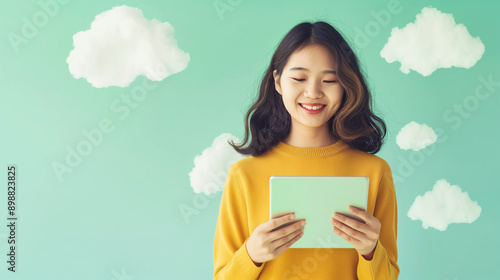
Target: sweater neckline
column 311, row 152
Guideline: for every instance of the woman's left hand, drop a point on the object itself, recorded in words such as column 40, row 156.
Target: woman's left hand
column 363, row 236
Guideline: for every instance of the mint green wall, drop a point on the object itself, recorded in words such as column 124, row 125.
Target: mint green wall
column 116, row 215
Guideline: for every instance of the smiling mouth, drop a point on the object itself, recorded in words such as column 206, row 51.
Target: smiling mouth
column 322, row 106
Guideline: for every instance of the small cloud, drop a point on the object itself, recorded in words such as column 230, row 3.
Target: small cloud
column 415, row 136
column 122, row 44
column 433, row 41
column 444, row 205
column 211, row 167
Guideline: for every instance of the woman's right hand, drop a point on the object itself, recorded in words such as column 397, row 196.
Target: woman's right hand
column 271, row 238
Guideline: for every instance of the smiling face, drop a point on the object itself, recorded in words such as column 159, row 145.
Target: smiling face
column 309, row 77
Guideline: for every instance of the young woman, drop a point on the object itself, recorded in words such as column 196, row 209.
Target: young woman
column 312, row 118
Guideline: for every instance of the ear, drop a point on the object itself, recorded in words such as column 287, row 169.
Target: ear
column 277, row 81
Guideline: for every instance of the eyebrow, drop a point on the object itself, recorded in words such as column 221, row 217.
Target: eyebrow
column 305, row 69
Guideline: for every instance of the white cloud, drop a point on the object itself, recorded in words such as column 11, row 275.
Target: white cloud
column 444, row 205
column 122, row 44
column 211, row 167
column 415, row 136
column 433, row 41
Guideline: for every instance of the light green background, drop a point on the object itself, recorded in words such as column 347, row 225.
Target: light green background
column 116, row 216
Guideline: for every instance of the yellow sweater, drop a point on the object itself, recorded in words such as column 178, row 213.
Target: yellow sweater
column 245, row 205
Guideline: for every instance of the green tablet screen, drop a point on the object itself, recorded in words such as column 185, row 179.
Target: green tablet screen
column 316, row 199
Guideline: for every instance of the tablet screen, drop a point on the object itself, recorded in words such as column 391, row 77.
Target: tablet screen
column 316, row 199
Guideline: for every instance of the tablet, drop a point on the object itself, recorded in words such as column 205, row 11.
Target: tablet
column 316, row 199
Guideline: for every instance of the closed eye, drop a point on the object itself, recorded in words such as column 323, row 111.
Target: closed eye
column 301, row 80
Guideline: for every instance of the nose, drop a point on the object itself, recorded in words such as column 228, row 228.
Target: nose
column 313, row 89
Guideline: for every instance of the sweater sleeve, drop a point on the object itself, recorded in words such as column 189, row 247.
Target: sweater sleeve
column 231, row 259
column 383, row 265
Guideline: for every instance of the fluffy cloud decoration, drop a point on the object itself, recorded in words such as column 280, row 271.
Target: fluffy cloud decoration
column 444, row 205
column 211, row 167
column 415, row 136
column 433, row 41
column 122, row 44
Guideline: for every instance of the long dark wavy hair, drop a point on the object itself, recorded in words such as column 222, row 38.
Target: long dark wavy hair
column 354, row 122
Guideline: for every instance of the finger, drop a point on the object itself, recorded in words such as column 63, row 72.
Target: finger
column 347, row 237
column 290, row 226
column 285, row 238
column 280, row 214
column 292, row 238
column 359, row 226
column 350, row 231
column 367, row 217
column 274, row 223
